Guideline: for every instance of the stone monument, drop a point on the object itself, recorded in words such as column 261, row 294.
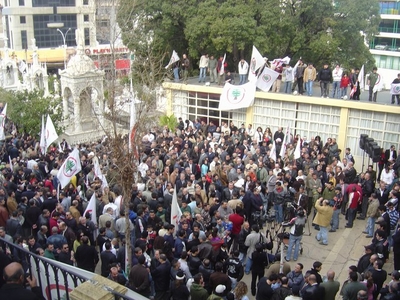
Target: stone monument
column 82, row 94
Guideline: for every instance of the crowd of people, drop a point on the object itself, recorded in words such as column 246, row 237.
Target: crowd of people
column 227, row 185
column 298, row 79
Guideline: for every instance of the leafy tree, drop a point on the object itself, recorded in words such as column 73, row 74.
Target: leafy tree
column 25, row 109
column 316, row 30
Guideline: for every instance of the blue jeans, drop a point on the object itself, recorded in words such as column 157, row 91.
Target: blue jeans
column 336, row 89
column 323, row 235
column 309, row 85
column 287, row 87
column 249, row 263
column 202, row 76
column 370, row 226
column 243, row 257
column 278, row 213
column 242, row 78
column 335, row 219
column 344, row 92
column 176, row 74
column 293, row 241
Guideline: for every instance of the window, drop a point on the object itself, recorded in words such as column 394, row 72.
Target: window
column 21, row 2
column 49, row 37
column 85, row 18
column 87, row 37
column 24, row 39
column 22, row 19
column 85, row 2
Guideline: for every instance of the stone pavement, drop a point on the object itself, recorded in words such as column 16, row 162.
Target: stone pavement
column 345, row 247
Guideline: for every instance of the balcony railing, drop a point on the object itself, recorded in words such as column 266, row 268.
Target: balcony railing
column 389, row 30
column 57, row 280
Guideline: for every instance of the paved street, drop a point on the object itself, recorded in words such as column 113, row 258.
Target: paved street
column 346, row 246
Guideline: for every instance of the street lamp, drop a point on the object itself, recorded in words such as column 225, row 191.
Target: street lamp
column 64, row 36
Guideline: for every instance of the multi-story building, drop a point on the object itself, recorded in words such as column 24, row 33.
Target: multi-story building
column 47, row 21
column 385, row 47
column 52, row 23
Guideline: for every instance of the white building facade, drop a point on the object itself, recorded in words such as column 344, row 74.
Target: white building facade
column 385, row 47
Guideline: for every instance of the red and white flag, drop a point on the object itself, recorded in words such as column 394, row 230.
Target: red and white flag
column 256, row 62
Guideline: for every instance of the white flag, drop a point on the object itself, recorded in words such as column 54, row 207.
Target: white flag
column 70, row 167
column 42, row 143
column 360, row 77
column 22, row 66
column 99, row 173
column 279, row 61
column 222, row 70
column 237, row 96
column 176, row 212
column 297, row 151
column 3, row 116
column 285, row 141
column 92, row 209
column 256, row 62
column 395, row 89
column 273, row 152
column 266, row 79
column 174, row 59
column 51, row 134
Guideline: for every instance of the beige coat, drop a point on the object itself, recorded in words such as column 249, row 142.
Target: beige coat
column 311, row 76
column 324, row 214
column 372, row 208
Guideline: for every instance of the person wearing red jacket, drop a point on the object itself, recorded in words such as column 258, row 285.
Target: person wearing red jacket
column 354, row 199
column 344, row 83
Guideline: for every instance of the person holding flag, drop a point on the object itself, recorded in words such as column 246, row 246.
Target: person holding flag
column 355, row 84
column 395, row 89
column 373, row 79
column 221, row 67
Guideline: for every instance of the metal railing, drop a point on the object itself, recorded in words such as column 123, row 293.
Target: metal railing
column 57, row 280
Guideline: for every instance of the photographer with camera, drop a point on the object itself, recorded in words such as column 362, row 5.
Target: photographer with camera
column 296, row 233
column 254, row 238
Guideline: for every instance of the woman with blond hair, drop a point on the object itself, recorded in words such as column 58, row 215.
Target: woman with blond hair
column 240, row 291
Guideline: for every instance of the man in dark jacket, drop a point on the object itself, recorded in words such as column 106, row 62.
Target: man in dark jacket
column 139, row 278
column 107, row 258
column 14, row 288
column 86, row 255
column 364, row 262
column 313, row 291
column 218, row 277
column 324, row 78
column 161, row 278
